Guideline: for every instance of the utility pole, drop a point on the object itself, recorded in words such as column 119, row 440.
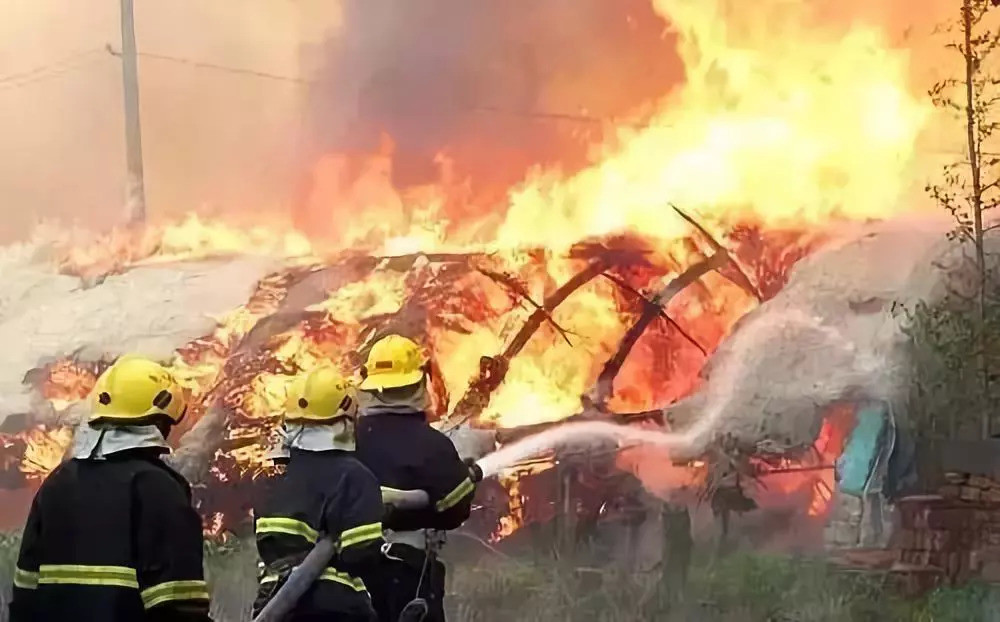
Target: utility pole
column 135, row 191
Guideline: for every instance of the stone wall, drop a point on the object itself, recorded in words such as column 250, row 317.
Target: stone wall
column 952, row 536
column 858, row 523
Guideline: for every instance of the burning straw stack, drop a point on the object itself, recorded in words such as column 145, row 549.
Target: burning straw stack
column 952, row 536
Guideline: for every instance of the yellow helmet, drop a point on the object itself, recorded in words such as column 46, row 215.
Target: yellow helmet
column 135, row 389
column 393, row 362
column 321, row 394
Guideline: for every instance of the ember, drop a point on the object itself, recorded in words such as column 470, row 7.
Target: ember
column 583, row 292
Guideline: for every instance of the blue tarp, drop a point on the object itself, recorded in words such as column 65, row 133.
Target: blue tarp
column 857, row 464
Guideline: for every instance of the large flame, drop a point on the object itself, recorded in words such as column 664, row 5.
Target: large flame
column 782, row 126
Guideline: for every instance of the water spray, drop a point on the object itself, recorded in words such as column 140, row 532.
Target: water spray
column 733, row 368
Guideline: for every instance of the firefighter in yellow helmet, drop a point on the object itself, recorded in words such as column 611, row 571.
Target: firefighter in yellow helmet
column 406, row 453
column 111, row 535
column 324, row 492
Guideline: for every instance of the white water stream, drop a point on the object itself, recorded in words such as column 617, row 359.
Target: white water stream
column 732, row 370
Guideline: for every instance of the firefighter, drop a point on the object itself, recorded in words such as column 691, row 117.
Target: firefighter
column 324, row 492
column 111, row 535
column 396, row 442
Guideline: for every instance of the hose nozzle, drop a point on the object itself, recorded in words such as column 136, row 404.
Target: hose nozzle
column 475, row 471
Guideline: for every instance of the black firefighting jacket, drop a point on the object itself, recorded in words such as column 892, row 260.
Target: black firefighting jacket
column 405, row 453
column 321, row 494
column 111, row 540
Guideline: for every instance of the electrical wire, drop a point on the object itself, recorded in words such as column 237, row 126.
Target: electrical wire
column 226, row 69
column 537, row 115
column 495, row 110
column 80, row 59
column 50, row 70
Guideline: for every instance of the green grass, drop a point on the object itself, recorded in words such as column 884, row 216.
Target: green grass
column 741, row 587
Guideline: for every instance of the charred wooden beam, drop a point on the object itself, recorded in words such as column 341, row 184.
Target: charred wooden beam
column 493, row 370
column 654, row 308
column 741, row 279
column 514, row 286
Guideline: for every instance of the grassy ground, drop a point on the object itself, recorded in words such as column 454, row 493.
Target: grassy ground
column 738, row 588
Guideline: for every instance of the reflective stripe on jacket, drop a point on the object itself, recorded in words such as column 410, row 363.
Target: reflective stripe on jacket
column 111, row 540
column 405, row 453
column 320, row 493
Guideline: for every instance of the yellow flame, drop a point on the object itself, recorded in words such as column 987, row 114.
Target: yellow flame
column 45, row 450
column 778, row 122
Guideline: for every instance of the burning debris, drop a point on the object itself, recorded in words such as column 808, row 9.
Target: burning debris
column 460, row 305
column 582, row 294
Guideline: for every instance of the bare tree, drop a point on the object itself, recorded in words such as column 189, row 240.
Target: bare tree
column 970, row 186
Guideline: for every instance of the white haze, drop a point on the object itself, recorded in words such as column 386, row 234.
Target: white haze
column 211, row 140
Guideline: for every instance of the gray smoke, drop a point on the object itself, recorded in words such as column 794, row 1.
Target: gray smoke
column 435, row 73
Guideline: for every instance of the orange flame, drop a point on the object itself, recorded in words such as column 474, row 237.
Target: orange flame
column 781, row 125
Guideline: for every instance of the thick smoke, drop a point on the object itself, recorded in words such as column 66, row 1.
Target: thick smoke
column 463, row 77
column 471, row 79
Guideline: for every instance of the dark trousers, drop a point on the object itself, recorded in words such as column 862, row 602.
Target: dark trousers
column 395, row 585
column 328, row 617
column 265, row 593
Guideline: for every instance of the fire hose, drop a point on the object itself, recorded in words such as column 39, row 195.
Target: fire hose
column 305, row 574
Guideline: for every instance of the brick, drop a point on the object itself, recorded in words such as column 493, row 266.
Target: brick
column 939, row 540
column 966, row 563
column 950, row 564
column 990, row 572
column 940, row 559
column 991, row 536
column 979, row 481
column 950, row 491
column 975, row 561
column 989, row 554
column 969, row 493
column 956, row 478
column 992, row 495
column 916, row 557
column 903, row 539
column 948, row 518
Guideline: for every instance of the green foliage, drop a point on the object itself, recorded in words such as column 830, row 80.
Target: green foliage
column 974, row 603
column 968, row 189
column 969, row 185
column 743, row 587
column 946, row 396
column 739, row 588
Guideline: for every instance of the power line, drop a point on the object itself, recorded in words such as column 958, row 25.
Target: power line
column 47, row 76
column 526, row 114
column 79, row 59
column 224, row 68
column 44, row 72
column 545, row 116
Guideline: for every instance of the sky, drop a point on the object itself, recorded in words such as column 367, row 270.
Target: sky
column 210, row 138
